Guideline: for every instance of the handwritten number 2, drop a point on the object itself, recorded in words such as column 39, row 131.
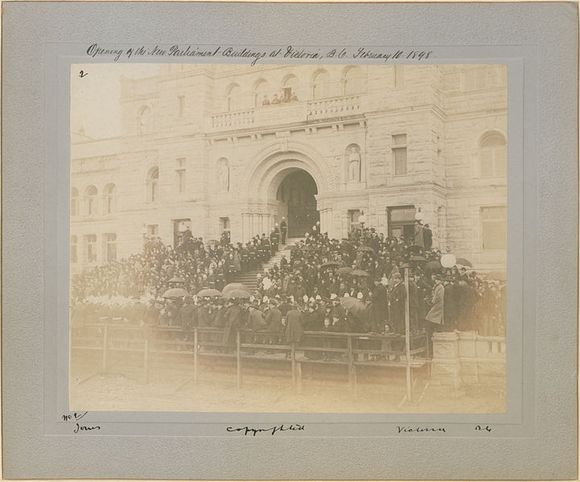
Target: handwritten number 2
column 82, row 74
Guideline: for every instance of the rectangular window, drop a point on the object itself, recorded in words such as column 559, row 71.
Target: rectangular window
column 493, row 227
column 152, row 229
column 181, row 174
column 91, row 248
column 73, row 250
column 180, row 105
column 224, row 224
column 400, row 154
column 110, row 240
column 353, row 219
column 401, row 220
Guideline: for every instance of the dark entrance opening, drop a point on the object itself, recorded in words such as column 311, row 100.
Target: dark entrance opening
column 297, row 195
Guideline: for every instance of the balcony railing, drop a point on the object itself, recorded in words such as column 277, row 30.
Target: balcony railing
column 334, row 107
column 287, row 113
column 237, row 119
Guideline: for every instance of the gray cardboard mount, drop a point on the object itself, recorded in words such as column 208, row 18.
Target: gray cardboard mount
column 534, row 439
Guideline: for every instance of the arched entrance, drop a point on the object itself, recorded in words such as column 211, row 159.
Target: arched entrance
column 296, row 199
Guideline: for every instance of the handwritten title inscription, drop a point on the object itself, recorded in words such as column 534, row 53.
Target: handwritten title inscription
column 254, row 55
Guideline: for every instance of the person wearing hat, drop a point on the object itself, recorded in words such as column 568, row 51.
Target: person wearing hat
column 294, row 325
column 283, row 230
column 436, row 315
column 255, row 317
column 273, row 318
column 397, row 300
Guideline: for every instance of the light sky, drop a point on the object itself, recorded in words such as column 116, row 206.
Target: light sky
column 95, row 98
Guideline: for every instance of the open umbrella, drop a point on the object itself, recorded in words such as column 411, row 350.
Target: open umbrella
column 464, row 262
column 330, row 264
column 352, row 304
column 209, row 293
column 175, row 293
column 176, row 280
column 344, row 270
column 359, row 272
column 240, row 294
column 366, row 249
column 433, row 266
column 233, row 286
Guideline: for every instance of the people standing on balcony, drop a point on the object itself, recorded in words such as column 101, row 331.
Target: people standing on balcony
column 266, row 100
column 275, row 99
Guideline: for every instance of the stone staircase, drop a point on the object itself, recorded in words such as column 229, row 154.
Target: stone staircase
column 248, row 278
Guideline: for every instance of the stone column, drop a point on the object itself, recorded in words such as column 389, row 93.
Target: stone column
column 445, row 366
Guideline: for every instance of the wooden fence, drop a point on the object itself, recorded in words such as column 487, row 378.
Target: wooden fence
column 352, row 351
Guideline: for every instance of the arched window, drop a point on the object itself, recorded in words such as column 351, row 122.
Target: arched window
column 233, row 95
column 91, row 201
column 290, row 89
column 352, row 81
column 320, row 84
column 261, row 93
column 144, row 119
column 153, row 184
column 492, row 155
column 223, row 166
column 109, row 199
column 74, row 202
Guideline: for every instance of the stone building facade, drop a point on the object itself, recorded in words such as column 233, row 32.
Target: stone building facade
column 231, row 147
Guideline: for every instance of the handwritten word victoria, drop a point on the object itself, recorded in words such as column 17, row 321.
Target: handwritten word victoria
column 271, row 431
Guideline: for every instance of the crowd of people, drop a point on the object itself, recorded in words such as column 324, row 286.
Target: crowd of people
column 349, row 285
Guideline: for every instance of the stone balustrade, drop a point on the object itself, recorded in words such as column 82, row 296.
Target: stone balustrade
column 287, row 113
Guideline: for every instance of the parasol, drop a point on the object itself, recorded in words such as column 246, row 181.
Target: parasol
column 359, row 272
column 345, row 270
column 242, row 294
column 175, row 293
column 209, row 293
column 353, row 305
column 366, row 249
column 233, row 286
column 330, row 264
column 433, row 266
column 176, row 280
column 464, row 262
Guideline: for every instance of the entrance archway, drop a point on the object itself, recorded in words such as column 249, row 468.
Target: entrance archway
column 296, row 199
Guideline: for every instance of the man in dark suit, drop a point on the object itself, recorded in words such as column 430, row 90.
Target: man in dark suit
column 397, row 300
column 283, row 230
column 427, row 237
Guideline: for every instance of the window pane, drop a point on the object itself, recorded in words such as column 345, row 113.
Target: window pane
column 486, row 159
column 402, row 214
column 400, row 139
column 400, row 156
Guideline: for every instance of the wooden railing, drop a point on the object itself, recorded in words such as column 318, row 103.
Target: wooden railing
column 353, row 351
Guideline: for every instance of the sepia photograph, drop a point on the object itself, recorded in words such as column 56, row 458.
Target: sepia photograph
column 288, row 238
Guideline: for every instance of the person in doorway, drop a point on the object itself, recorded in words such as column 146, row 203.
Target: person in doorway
column 283, row 230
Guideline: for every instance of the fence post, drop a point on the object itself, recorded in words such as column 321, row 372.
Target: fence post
column 293, row 361
column 195, row 355
column 238, row 360
column 105, row 348
column 350, row 361
column 408, row 337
